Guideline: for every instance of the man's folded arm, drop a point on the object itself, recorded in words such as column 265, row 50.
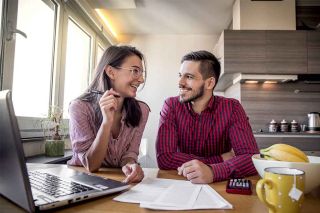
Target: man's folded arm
column 173, row 160
column 237, row 167
column 244, row 145
column 168, row 156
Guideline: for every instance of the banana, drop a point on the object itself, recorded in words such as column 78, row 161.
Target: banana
column 284, row 152
column 267, row 157
column 284, row 156
column 291, row 149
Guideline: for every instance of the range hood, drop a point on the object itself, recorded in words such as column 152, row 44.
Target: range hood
column 263, row 78
column 310, row 78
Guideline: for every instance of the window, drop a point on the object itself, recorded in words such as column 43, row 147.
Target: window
column 52, row 66
column 33, row 61
column 77, row 63
column 1, row 58
column 100, row 51
column 1, row 16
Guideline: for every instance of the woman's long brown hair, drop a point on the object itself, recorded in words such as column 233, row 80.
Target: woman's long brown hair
column 113, row 56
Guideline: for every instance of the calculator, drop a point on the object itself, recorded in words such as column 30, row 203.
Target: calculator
column 239, row 186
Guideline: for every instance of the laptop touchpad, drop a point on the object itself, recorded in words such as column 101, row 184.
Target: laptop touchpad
column 98, row 182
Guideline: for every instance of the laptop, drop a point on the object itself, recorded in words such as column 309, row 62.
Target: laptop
column 41, row 189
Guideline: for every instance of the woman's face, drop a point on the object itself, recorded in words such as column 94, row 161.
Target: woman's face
column 128, row 77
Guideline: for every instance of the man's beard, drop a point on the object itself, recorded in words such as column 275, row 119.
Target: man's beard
column 199, row 93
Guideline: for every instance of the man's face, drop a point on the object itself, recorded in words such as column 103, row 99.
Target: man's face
column 191, row 83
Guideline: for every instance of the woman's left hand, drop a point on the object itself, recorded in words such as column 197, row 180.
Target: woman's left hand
column 134, row 173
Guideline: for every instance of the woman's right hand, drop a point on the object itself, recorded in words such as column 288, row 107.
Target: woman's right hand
column 108, row 105
column 133, row 172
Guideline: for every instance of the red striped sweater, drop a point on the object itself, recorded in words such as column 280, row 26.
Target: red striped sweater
column 184, row 135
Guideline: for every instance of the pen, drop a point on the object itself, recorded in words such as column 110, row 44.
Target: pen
column 101, row 93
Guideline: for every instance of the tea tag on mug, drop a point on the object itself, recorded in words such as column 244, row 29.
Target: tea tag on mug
column 294, row 192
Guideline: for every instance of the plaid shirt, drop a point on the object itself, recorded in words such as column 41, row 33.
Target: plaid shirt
column 184, row 135
column 83, row 131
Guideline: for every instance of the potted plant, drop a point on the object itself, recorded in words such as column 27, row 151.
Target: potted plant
column 53, row 130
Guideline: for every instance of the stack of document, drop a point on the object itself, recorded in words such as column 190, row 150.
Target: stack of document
column 167, row 194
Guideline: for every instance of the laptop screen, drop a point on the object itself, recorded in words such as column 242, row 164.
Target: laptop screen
column 14, row 182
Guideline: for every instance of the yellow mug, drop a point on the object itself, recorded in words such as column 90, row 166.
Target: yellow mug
column 274, row 189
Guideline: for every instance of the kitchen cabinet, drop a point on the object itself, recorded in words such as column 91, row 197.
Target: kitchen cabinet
column 244, row 51
column 286, row 52
column 263, row 51
column 313, row 46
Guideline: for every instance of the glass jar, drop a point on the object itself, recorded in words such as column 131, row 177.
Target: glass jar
column 284, row 127
column 273, row 126
column 294, row 126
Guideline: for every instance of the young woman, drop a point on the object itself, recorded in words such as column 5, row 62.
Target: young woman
column 107, row 122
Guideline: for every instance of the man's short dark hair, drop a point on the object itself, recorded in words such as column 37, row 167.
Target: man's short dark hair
column 209, row 64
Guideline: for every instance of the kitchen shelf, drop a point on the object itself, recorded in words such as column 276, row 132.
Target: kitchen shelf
column 287, row 134
column 308, row 142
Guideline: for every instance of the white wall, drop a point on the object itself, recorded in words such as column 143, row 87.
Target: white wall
column 264, row 15
column 233, row 92
column 236, row 15
column 163, row 54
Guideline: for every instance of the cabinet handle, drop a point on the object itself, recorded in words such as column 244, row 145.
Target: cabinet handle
column 305, row 91
column 11, row 31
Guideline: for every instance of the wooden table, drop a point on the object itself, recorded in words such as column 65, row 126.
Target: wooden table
column 241, row 203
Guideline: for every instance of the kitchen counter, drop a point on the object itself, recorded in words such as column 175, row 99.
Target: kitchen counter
column 307, row 142
column 288, row 134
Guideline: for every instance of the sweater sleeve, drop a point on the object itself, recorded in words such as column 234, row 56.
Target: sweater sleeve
column 81, row 129
column 133, row 148
column 168, row 155
column 244, row 145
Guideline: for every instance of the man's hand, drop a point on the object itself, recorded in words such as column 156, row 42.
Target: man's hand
column 196, row 172
column 228, row 155
column 133, row 172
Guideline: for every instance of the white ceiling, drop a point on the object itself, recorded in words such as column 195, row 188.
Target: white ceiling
column 168, row 16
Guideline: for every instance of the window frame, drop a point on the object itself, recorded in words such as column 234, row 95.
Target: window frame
column 30, row 127
column 82, row 25
column 103, row 46
column 1, row 36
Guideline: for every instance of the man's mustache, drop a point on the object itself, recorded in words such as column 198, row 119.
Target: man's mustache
column 183, row 87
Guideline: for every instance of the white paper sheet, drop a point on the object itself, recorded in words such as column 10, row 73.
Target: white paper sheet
column 182, row 194
column 148, row 190
column 167, row 194
column 208, row 198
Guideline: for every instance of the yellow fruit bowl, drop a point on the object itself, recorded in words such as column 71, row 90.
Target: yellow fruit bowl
column 312, row 169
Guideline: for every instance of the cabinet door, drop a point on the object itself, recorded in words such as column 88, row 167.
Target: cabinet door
column 286, row 52
column 244, row 51
column 313, row 44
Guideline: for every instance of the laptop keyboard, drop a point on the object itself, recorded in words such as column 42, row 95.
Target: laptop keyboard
column 54, row 185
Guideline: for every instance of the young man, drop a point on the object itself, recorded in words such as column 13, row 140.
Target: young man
column 207, row 138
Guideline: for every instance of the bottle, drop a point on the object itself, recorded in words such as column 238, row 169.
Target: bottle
column 294, row 126
column 273, row 126
column 284, row 127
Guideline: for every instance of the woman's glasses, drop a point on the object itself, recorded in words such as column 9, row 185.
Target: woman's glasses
column 136, row 72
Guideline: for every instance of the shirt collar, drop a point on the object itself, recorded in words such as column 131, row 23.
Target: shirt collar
column 209, row 107
column 211, row 103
